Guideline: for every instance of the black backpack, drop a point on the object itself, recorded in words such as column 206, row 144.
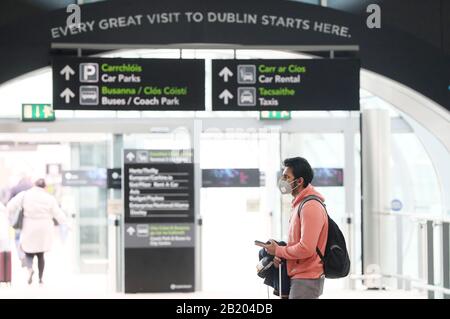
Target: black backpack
column 336, row 262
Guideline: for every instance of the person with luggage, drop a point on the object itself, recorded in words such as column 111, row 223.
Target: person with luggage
column 308, row 229
column 275, row 277
column 24, row 184
column 39, row 210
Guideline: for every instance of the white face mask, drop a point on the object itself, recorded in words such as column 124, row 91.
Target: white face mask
column 285, row 187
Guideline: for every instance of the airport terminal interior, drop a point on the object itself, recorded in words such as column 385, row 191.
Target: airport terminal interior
column 383, row 167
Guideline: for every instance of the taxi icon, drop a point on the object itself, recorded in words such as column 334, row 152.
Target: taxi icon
column 246, row 96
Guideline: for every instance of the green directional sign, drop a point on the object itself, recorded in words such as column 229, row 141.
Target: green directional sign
column 37, row 113
column 128, row 84
column 291, row 85
column 275, row 115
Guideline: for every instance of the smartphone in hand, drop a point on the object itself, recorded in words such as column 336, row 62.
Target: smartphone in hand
column 260, row 243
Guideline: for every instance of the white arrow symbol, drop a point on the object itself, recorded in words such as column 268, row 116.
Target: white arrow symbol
column 225, row 73
column 225, row 96
column 131, row 231
column 67, row 71
column 130, row 156
column 67, row 94
column 48, row 112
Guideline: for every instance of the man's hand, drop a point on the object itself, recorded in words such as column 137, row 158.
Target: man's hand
column 276, row 261
column 271, row 247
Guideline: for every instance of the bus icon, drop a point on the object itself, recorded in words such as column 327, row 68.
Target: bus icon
column 88, row 95
column 142, row 230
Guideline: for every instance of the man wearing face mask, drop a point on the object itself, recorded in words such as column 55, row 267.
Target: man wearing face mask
column 308, row 229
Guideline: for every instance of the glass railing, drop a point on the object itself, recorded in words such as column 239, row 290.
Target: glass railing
column 420, row 249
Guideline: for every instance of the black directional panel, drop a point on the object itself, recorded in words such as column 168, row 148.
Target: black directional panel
column 159, row 230
column 128, row 84
column 303, row 84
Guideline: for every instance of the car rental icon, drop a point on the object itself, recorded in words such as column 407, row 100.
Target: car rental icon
column 246, row 74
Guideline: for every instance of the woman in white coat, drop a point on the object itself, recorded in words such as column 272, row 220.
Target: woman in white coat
column 39, row 210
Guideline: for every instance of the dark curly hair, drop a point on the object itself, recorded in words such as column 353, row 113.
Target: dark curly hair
column 300, row 168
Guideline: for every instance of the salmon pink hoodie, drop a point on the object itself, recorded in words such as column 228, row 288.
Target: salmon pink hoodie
column 305, row 234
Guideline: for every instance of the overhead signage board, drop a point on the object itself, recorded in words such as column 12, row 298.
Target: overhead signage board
column 37, row 113
column 277, row 85
column 128, row 84
column 158, row 192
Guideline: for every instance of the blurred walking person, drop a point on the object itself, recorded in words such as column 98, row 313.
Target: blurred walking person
column 36, row 237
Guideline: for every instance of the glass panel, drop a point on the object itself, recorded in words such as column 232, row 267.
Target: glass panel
column 357, row 240
column 92, row 155
column 321, row 151
column 415, row 190
column 414, row 180
column 90, row 208
column 235, row 216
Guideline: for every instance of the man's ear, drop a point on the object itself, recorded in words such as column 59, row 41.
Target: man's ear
column 301, row 181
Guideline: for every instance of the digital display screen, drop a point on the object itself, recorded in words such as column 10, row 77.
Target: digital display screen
column 231, row 177
column 326, row 177
column 79, row 178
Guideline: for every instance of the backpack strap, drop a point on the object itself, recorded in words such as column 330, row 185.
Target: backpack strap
column 300, row 207
column 307, row 199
